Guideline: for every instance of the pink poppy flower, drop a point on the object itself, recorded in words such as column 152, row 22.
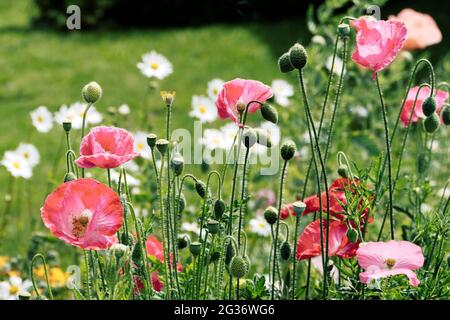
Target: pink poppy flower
column 377, row 42
column 422, row 29
column 84, row 213
column 385, row 259
column 155, row 249
column 237, row 93
column 308, row 244
column 157, row 284
column 106, row 147
column 441, row 96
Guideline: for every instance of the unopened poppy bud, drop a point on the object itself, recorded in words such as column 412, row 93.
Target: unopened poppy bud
column 298, row 56
column 269, row 113
column 229, row 254
column 162, row 145
column 151, row 140
column 238, row 267
column 249, row 138
column 69, row 176
column 92, row 92
column 213, row 226
column 119, row 250
column 284, row 63
column 431, row 123
column 168, row 97
column 126, row 239
column 343, row 30
column 24, row 295
column 429, row 106
column 446, row 115
column 299, row 207
column 285, row 251
column 240, row 106
column 177, row 164
column 200, row 187
column 262, row 138
column 343, row 171
column 352, row 235
column 67, row 126
column 271, row 215
column 215, row 256
column 181, row 203
column 182, row 243
column 219, row 209
column 288, row 150
column 195, row 248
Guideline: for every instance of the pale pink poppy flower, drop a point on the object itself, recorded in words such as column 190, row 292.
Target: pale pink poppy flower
column 377, row 42
column 106, row 147
column 237, row 93
column 385, row 259
column 440, row 97
column 422, row 29
column 84, row 213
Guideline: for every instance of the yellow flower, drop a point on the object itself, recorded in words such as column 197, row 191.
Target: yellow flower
column 56, row 276
column 4, row 265
column 168, row 97
column 14, row 273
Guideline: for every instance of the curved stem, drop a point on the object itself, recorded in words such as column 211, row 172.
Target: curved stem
column 46, row 275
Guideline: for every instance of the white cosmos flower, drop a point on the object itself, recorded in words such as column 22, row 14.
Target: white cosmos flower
column 337, row 65
column 213, row 139
column 229, row 131
column 29, row 153
column 74, row 114
column 155, row 65
column 16, row 165
column 214, row 88
column 282, row 90
column 131, row 166
column 10, row 290
column 42, row 119
column 124, row 109
column 190, row 227
column 140, row 144
column 259, row 226
column 203, row 108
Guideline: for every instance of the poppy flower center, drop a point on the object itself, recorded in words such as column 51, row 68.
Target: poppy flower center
column 390, row 263
column 80, row 223
column 240, row 106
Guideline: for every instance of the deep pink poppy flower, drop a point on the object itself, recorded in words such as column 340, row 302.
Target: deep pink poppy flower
column 422, row 29
column 377, row 42
column 106, row 147
column 308, row 244
column 155, row 249
column 237, row 93
column 84, row 213
column 440, row 97
column 385, row 259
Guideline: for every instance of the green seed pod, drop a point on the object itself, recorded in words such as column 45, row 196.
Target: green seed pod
column 431, row 123
column 195, row 248
column 213, row 226
column 151, row 140
column 343, row 30
column 177, row 164
column 343, row 171
column 238, row 267
column 215, row 256
column 446, row 115
column 67, row 126
column 92, row 92
column 298, row 56
column 288, row 150
column 263, row 138
column 271, row 215
column 285, row 251
column 69, row 176
column 182, row 243
column 200, row 187
column 269, row 113
column 219, row 209
column 284, row 63
column 429, row 106
column 249, row 137
column 162, row 145
column 230, row 253
column 352, row 235
column 299, row 207
column 247, row 262
column 181, row 203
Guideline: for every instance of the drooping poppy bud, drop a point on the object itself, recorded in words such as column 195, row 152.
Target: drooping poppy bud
column 271, row 215
column 298, row 56
column 284, row 63
column 269, row 113
column 429, row 106
column 431, row 123
column 92, row 92
column 238, row 267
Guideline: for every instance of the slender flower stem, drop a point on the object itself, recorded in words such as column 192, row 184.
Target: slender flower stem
column 388, row 153
column 88, row 276
column 83, row 126
column 49, row 288
column 275, row 243
column 163, row 229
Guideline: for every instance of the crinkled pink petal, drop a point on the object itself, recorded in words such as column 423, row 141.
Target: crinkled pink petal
column 367, row 277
